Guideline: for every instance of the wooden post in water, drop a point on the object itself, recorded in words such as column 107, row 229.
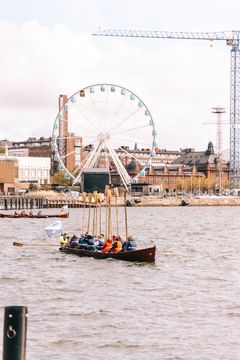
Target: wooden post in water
column 15, row 331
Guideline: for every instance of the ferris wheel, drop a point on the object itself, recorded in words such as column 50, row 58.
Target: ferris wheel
column 102, row 126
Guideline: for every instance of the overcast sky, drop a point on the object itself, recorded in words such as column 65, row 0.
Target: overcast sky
column 47, row 49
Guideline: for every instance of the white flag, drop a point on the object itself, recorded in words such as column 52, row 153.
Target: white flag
column 54, row 228
column 64, row 208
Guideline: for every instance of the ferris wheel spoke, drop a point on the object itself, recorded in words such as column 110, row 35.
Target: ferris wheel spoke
column 122, row 121
column 101, row 116
column 89, row 121
column 130, row 129
column 116, row 112
column 78, row 126
column 63, row 157
column 131, row 155
column 94, row 104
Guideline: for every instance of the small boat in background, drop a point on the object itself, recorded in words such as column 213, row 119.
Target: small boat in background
column 40, row 216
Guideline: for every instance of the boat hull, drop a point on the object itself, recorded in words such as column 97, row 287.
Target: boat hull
column 142, row 255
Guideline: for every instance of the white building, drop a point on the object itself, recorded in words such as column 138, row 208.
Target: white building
column 34, row 169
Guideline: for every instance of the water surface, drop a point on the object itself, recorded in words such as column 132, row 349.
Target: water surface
column 186, row 306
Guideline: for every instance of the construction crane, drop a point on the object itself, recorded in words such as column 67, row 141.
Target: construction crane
column 232, row 39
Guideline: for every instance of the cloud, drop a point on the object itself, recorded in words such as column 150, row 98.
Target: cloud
column 178, row 80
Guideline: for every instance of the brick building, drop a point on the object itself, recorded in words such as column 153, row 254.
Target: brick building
column 69, row 144
column 206, row 162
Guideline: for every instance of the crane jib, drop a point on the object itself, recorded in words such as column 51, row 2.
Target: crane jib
column 232, row 39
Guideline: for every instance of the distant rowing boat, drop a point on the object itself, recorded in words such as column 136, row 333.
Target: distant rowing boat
column 12, row 216
column 141, row 255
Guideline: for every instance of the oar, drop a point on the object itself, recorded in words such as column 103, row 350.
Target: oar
column 95, row 196
column 89, row 210
column 100, row 213
column 21, row 244
column 110, row 214
column 106, row 211
column 84, row 199
column 116, row 199
column 125, row 208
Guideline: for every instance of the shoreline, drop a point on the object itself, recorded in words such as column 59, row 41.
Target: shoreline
column 48, row 200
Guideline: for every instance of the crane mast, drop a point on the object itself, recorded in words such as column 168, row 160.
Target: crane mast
column 232, row 39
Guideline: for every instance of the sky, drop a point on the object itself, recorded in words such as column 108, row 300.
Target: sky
column 47, row 49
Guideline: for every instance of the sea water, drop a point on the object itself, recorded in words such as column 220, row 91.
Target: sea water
column 186, row 306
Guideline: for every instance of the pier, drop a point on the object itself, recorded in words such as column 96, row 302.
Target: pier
column 21, row 202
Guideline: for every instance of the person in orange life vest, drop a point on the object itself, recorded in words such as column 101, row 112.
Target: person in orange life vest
column 107, row 245
column 119, row 237
column 117, row 246
column 16, row 213
column 23, row 213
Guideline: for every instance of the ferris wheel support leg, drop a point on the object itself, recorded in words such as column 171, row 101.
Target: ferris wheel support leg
column 121, row 169
column 89, row 161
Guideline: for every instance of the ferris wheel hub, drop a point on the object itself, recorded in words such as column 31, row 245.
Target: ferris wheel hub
column 103, row 136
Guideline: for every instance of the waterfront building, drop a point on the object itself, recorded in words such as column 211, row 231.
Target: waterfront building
column 206, row 162
column 34, row 170
column 162, row 156
column 33, row 147
column 9, row 171
column 169, row 179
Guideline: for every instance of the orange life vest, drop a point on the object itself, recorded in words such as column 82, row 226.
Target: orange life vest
column 118, row 247
column 107, row 246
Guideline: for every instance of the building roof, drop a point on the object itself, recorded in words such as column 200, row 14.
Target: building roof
column 191, row 157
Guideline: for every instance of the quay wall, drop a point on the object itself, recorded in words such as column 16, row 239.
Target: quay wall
column 34, row 202
column 215, row 201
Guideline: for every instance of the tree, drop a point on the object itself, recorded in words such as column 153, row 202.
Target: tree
column 58, row 178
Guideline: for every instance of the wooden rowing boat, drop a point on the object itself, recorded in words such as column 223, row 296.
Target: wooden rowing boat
column 12, row 216
column 142, row 255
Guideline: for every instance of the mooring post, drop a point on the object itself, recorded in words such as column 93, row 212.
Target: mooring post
column 15, row 331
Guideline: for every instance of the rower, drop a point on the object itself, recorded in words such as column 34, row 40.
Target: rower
column 116, row 247
column 63, row 239
column 23, row 213
column 107, row 245
column 74, row 242
column 129, row 245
